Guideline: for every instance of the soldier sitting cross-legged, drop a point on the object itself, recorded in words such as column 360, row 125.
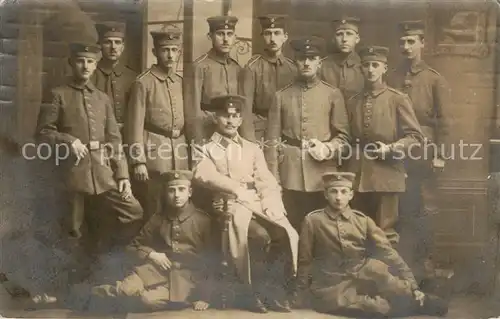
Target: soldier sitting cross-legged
column 348, row 266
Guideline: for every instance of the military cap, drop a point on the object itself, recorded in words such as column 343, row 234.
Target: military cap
column 271, row 21
column 345, row 22
column 374, row 53
column 225, row 102
column 177, row 177
column 84, row 49
column 308, row 46
column 342, row 179
column 167, row 35
column 222, row 23
column 110, row 29
column 411, row 27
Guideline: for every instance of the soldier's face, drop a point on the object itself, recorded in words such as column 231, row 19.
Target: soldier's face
column 167, row 55
column 338, row 197
column 374, row 70
column 228, row 121
column 308, row 66
column 178, row 195
column 346, row 40
column 112, row 48
column 274, row 38
column 411, row 46
column 83, row 67
column 223, row 40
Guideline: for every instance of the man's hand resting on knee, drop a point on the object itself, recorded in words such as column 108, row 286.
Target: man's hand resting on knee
column 200, row 305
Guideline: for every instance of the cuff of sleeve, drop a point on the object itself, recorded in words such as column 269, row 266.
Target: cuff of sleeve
column 121, row 170
column 144, row 252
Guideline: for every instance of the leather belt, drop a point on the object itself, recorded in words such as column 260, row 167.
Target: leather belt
column 160, row 131
column 296, row 142
column 94, row 145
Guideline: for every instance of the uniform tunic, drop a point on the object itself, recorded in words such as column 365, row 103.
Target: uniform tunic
column 116, row 83
column 226, row 164
column 260, row 79
column 302, row 111
column 209, row 76
column 343, row 72
column 339, row 252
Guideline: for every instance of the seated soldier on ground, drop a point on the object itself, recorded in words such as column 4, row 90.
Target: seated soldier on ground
column 176, row 244
column 347, row 265
column 259, row 231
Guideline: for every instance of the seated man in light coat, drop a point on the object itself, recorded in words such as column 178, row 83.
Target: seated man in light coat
column 236, row 170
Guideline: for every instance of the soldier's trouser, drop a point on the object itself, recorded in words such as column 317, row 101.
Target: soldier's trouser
column 298, row 204
column 382, row 207
column 268, row 267
column 417, row 206
column 370, row 291
column 110, row 221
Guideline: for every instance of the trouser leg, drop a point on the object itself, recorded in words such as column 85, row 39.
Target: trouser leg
column 259, row 242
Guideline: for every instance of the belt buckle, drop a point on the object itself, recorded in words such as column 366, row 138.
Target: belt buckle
column 176, row 133
column 304, row 144
column 94, row 145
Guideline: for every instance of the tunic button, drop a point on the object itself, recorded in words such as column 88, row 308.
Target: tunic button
column 366, row 125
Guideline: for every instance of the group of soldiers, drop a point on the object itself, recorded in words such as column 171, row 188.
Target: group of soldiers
column 157, row 158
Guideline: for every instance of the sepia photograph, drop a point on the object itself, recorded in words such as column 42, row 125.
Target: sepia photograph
column 250, row 159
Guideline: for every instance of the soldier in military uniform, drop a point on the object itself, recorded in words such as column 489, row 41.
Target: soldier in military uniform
column 112, row 76
column 342, row 68
column 430, row 94
column 384, row 127
column 308, row 127
column 348, row 266
column 155, row 127
column 177, row 259
column 82, row 118
column 259, row 231
column 265, row 74
column 212, row 74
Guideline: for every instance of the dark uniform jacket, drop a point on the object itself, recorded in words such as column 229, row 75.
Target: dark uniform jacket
column 430, row 96
column 260, row 79
column 86, row 113
column 209, row 76
column 155, row 123
column 335, row 245
column 343, row 73
column 302, row 111
column 386, row 115
column 187, row 240
column 116, row 83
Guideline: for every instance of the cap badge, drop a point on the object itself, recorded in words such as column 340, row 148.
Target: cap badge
column 226, row 26
column 113, row 30
column 170, row 37
column 370, row 50
column 272, row 20
column 86, row 49
column 343, row 21
column 308, row 47
column 230, row 104
column 272, row 25
column 176, row 175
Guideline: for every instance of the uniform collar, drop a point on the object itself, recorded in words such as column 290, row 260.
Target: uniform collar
column 273, row 59
column 186, row 212
column 158, row 72
column 89, row 86
column 117, row 69
column 376, row 90
column 224, row 141
column 346, row 213
column 350, row 60
column 414, row 68
column 222, row 59
column 308, row 83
